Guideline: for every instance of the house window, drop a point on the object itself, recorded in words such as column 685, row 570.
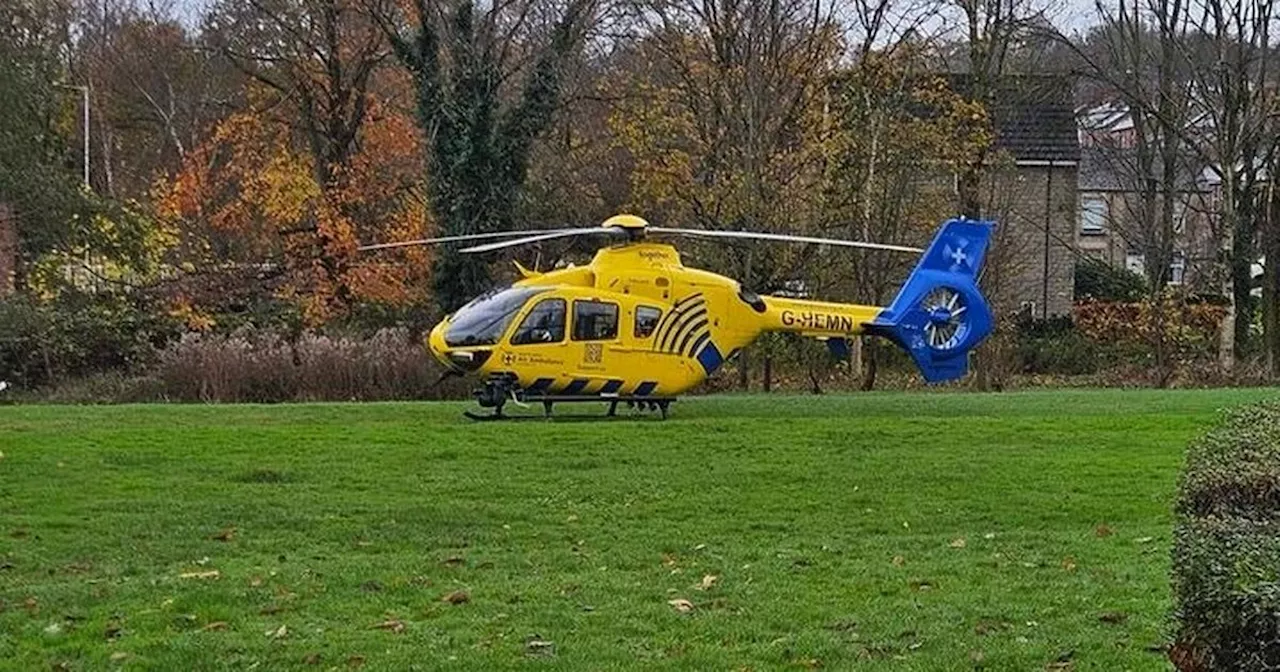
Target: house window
column 1177, row 268
column 595, row 321
column 1135, row 262
column 1093, row 216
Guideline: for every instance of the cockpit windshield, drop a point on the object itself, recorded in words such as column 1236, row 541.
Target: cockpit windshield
column 485, row 318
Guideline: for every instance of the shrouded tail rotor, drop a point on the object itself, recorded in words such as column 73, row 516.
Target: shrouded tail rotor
column 939, row 314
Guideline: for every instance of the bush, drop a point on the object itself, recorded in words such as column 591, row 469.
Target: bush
column 1096, row 279
column 77, row 335
column 263, row 367
column 1054, row 347
column 1226, row 555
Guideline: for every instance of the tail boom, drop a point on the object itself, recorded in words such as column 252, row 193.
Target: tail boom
column 816, row 318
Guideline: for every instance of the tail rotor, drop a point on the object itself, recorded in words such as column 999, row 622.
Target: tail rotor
column 939, row 314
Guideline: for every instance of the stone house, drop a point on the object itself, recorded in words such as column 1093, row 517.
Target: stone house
column 1114, row 223
column 1031, row 194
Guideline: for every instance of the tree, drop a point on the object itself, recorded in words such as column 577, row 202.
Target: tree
column 480, row 123
column 39, row 175
column 317, row 59
column 897, row 133
column 1221, row 115
column 248, row 212
column 155, row 90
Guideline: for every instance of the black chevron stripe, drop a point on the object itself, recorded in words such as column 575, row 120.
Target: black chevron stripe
column 699, row 328
column 674, row 313
column 693, row 350
column 672, row 336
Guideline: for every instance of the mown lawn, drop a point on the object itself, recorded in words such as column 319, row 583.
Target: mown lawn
column 888, row 531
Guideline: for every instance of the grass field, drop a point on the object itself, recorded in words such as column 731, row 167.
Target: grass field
column 1022, row 531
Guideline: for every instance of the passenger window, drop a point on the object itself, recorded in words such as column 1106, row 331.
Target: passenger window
column 543, row 324
column 646, row 321
column 595, row 321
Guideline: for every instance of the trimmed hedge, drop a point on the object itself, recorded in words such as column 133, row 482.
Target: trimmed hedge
column 1226, row 551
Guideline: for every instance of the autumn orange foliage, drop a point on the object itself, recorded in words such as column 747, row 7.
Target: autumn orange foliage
column 248, row 199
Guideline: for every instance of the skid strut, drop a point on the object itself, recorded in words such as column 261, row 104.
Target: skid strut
column 499, row 391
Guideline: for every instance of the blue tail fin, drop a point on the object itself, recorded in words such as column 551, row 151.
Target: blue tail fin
column 939, row 314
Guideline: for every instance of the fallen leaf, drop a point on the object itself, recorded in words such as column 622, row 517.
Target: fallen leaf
column 53, row 629
column 899, row 561
column 31, row 605
column 571, row 519
column 1144, row 540
column 211, row 574
column 681, row 605
column 1113, row 617
column 457, row 597
column 279, row 633
column 255, row 581
column 537, row 646
column 355, row 662
column 977, row 656
column 708, row 581
column 668, row 559
column 1103, row 530
column 216, row 625
column 118, row 656
column 989, row 535
column 1069, row 564
column 311, row 659
column 226, row 534
column 391, row 625
column 958, row 542
column 809, row 663
column 454, row 561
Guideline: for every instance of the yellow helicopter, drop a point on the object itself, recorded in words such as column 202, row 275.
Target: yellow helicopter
column 637, row 326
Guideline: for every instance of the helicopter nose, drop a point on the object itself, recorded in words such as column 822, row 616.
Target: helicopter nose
column 438, row 348
column 462, row 360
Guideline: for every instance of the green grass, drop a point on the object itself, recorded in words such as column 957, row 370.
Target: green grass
column 832, row 524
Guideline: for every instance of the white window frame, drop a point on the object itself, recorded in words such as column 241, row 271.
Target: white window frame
column 1089, row 227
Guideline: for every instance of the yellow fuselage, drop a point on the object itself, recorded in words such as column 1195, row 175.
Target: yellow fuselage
column 635, row 321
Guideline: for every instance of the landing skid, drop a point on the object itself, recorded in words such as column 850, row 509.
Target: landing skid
column 661, row 404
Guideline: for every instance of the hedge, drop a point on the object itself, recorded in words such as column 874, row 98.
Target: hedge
column 1226, row 552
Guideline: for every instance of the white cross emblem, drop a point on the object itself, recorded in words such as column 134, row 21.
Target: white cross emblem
column 958, row 257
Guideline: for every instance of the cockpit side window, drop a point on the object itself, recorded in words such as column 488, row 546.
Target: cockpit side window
column 544, row 324
column 646, row 321
column 486, row 318
column 595, row 321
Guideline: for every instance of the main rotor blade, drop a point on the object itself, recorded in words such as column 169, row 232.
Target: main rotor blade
column 454, row 239
column 751, row 235
column 550, row 235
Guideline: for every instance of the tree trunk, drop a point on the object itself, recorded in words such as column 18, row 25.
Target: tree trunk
column 1271, row 282
column 869, row 372
column 8, row 250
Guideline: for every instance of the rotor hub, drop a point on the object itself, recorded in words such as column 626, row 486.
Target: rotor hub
column 628, row 222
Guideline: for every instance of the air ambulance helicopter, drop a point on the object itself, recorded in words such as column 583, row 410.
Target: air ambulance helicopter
column 637, row 326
